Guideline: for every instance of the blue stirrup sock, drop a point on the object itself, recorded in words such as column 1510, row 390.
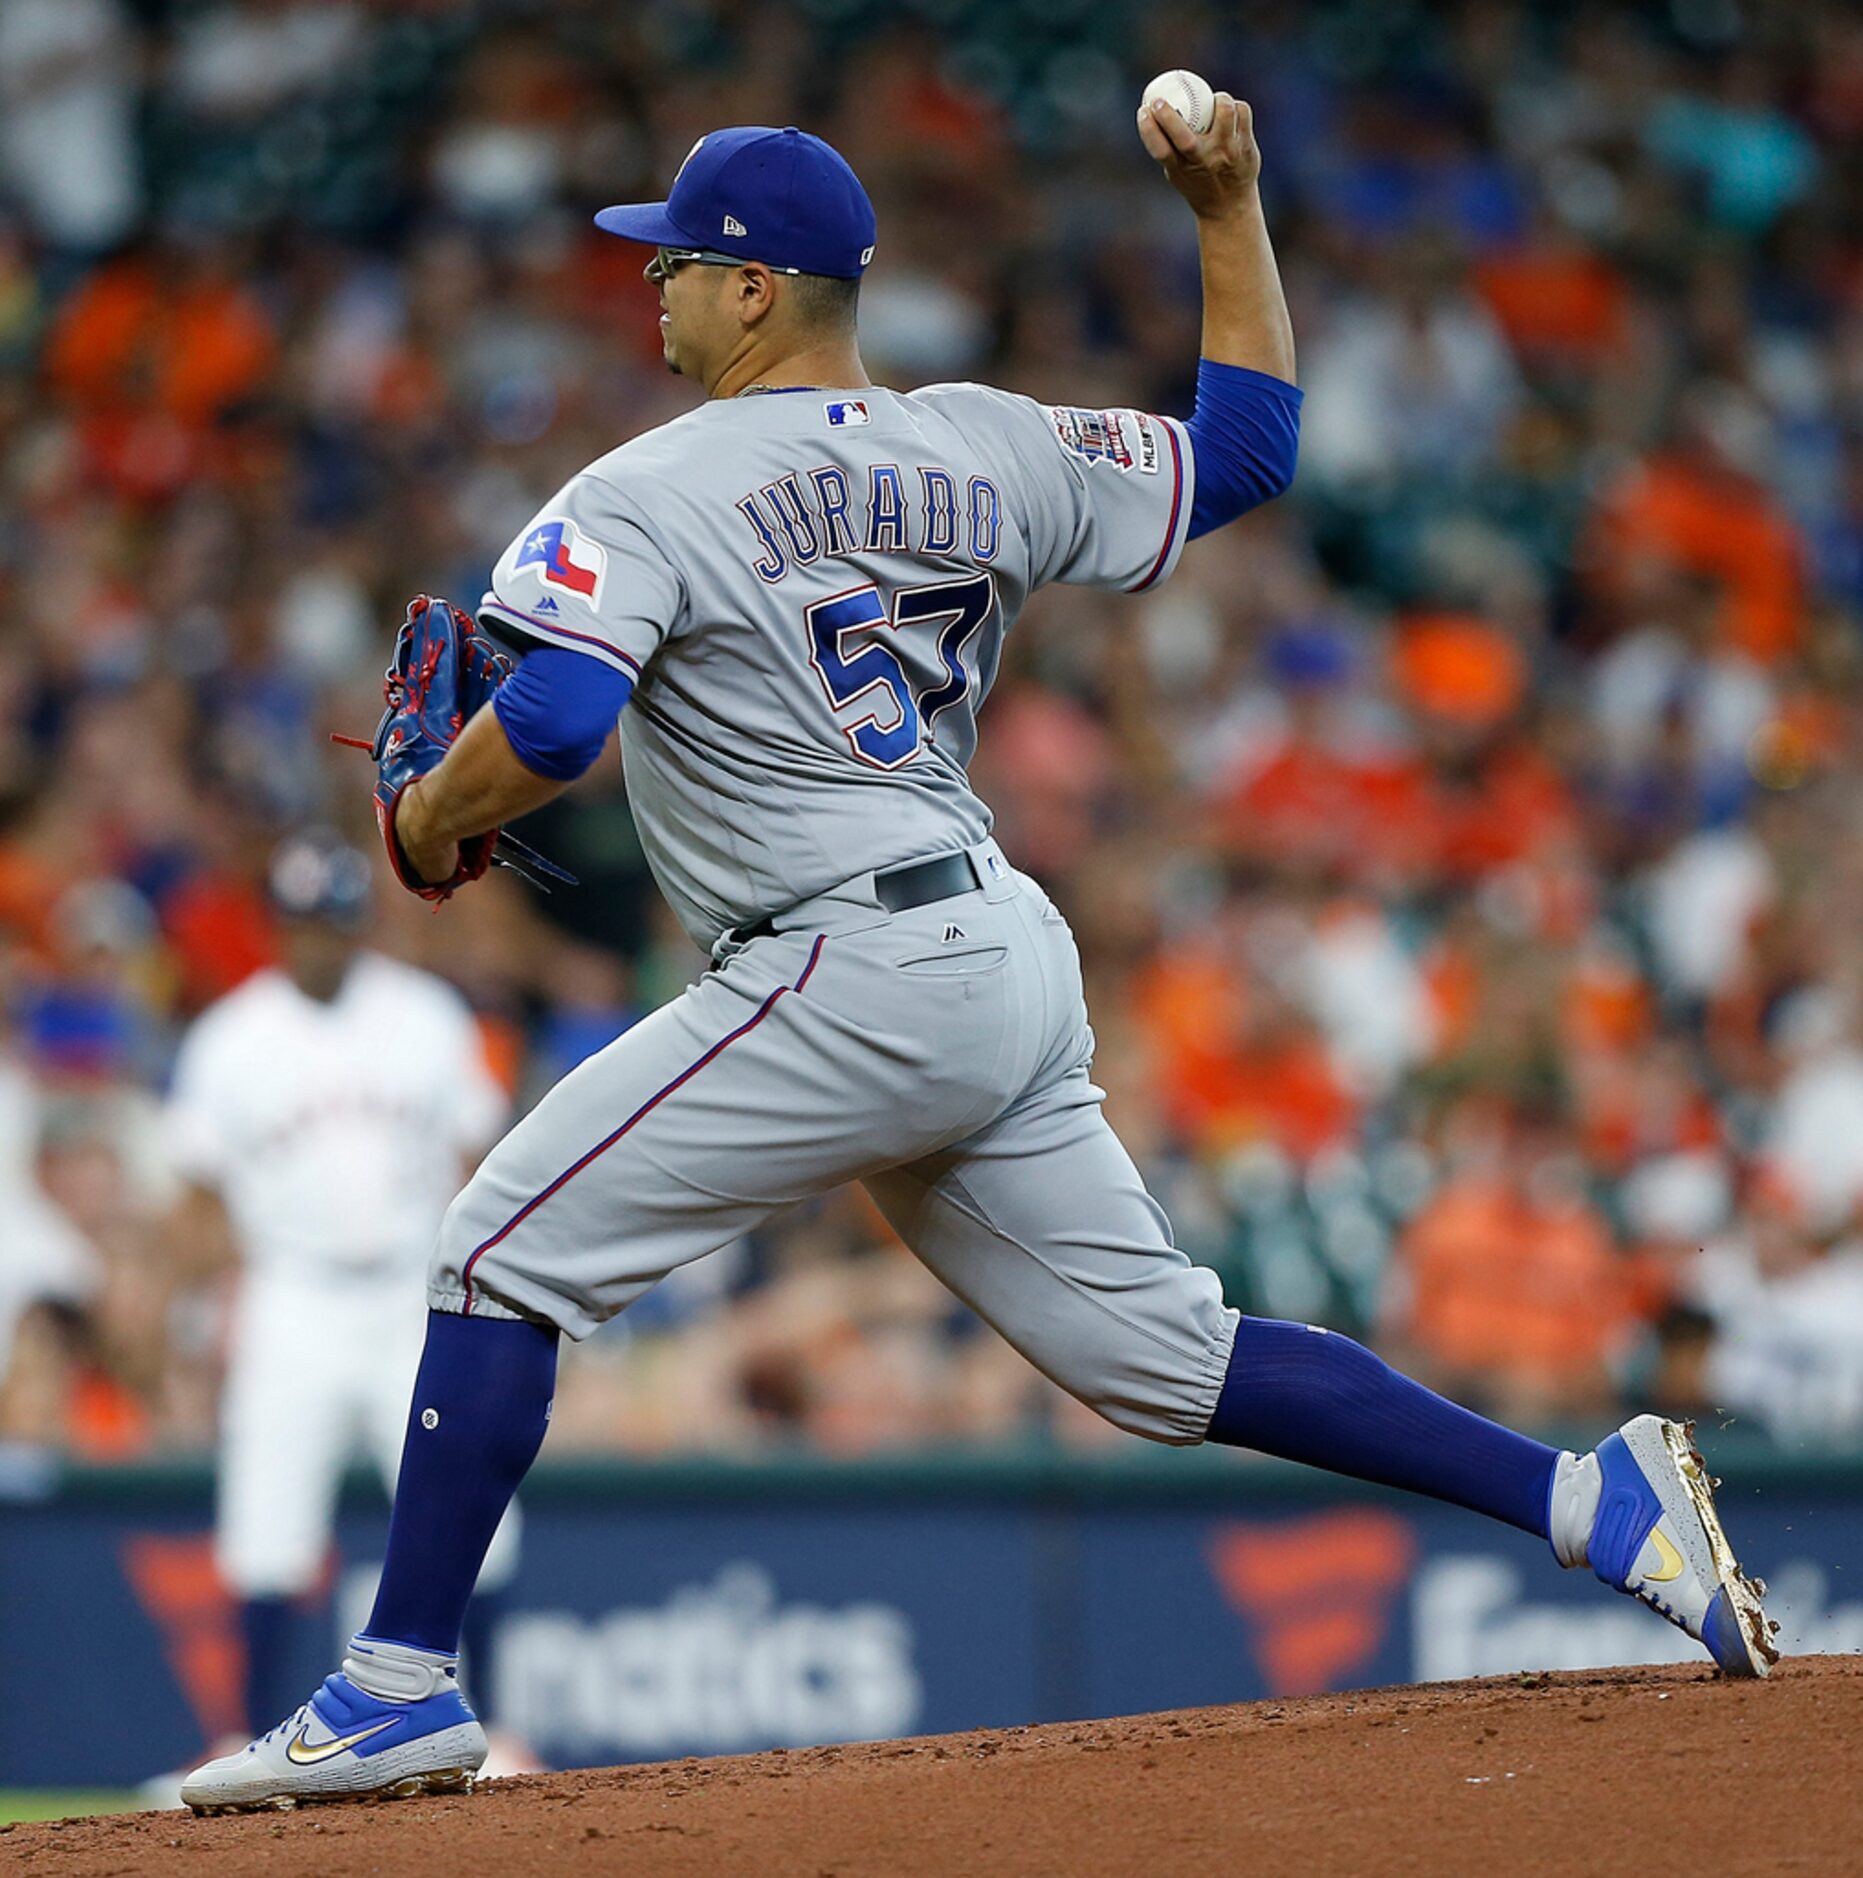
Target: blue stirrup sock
column 1313, row 1396
column 481, row 1406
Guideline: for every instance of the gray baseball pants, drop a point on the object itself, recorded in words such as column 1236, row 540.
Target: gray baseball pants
column 941, row 1056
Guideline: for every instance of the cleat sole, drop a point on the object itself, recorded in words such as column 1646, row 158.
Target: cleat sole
column 1744, row 1595
column 440, row 1780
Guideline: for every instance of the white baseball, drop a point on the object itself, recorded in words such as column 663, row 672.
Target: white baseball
column 1187, row 94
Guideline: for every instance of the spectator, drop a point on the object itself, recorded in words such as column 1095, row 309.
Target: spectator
column 1508, row 1290
column 1786, row 1305
column 68, row 152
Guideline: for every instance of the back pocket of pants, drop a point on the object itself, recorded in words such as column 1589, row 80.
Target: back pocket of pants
column 970, row 962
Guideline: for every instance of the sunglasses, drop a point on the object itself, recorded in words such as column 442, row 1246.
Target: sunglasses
column 667, row 262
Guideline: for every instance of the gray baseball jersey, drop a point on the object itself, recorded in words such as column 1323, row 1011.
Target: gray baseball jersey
column 810, row 591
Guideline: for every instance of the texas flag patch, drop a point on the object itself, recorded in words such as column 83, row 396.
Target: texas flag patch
column 845, row 411
column 566, row 557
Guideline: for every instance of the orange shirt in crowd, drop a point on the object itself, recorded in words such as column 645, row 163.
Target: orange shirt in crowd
column 1555, row 298
column 1458, row 667
column 1607, row 1006
column 1514, row 810
column 105, row 1420
column 221, row 931
column 1716, row 524
column 29, row 890
column 1504, row 1288
column 1225, row 1079
column 1311, row 801
column 126, row 339
column 1620, row 1117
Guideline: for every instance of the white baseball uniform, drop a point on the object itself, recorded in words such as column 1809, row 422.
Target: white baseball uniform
column 334, row 1132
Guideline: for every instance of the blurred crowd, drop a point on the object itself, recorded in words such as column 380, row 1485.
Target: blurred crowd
column 1462, row 851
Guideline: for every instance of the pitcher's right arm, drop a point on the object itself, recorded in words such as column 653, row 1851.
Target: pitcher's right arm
column 1245, row 431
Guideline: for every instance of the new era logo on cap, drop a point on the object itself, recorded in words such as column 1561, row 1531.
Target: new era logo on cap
column 732, row 226
column 846, row 411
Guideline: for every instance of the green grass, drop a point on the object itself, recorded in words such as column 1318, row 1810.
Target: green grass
column 43, row 1803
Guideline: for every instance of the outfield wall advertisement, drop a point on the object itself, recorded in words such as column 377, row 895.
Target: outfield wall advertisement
column 661, row 1612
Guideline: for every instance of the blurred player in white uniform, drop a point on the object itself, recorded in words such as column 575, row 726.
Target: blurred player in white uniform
column 323, row 1114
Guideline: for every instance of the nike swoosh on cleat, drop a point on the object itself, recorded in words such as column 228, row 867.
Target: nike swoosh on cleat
column 1672, row 1561
column 301, row 1755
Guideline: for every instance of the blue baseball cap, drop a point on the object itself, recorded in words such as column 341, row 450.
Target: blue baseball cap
column 780, row 197
column 316, row 874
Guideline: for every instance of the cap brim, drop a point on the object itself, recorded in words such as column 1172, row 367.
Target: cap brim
column 644, row 221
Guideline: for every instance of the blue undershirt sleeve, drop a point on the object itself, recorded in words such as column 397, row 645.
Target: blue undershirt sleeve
column 557, row 709
column 1244, row 434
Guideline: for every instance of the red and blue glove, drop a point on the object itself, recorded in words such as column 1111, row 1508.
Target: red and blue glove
column 443, row 671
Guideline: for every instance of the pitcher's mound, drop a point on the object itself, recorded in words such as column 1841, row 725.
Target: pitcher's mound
column 1655, row 1770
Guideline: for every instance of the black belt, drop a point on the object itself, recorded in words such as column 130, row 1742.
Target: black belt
column 899, row 888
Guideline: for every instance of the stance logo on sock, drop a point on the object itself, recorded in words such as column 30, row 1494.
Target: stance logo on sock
column 430, row 1419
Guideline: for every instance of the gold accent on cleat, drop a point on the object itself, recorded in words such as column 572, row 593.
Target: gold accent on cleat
column 300, row 1754
column 1673, row 1564
column 1743, row 1593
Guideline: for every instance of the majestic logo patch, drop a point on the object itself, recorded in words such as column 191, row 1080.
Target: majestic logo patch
column 845, row 411
column 566, row 557
column 548, row 605
column 1098, row 436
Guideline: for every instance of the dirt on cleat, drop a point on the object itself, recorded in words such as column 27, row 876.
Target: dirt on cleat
column 1743, row 1593
column 440, row 1780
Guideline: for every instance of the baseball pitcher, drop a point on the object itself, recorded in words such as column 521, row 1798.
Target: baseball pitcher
column 794, row 599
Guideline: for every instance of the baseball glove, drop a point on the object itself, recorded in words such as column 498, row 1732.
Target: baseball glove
column 443, row 670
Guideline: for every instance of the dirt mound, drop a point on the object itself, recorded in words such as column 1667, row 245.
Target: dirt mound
column 1620, row 1770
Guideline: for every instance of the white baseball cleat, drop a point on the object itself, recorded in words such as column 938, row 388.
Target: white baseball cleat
column 1658, row 1537
column 346, row 1744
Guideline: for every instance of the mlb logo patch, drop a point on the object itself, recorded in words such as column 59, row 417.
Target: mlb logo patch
column 564, row 557
column 846, row 411
column 1148, row 456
